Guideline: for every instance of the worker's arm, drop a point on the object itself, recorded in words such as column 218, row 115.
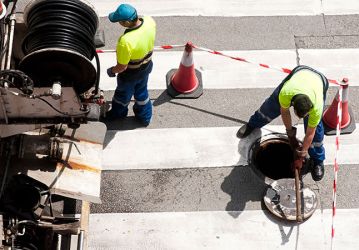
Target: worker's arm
column 291, row 131
column 119, row 68
column 307, row 141
column 123, row 56
column 287, row 119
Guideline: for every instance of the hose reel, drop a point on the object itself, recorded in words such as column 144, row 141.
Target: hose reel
column 59, row 44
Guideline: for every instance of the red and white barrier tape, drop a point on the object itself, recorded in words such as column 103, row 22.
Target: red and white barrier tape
column 336, row 166
column 284, row 70
column 165, row 47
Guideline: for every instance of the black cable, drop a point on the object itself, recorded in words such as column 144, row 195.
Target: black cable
column 54, row 108
column 66, row 24
column 59, row 111
column 97, row 83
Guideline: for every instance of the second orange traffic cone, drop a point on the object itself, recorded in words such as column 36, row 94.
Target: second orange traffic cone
column 186, row 81
column 347, row 125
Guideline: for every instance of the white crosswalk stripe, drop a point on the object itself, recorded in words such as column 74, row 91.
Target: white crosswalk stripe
column 234, row 8
column 168, row 149
column 219, row 230
column 200, row 148
column 335, row 64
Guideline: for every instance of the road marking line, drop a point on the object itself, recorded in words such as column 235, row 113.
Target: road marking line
column 220, row 230
column 233, row 8
column 200, row 147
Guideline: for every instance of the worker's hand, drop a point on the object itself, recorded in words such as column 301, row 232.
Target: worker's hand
column 301, row 153
column 110, row 73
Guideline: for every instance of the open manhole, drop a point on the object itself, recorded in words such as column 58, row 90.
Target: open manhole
column 271, row 156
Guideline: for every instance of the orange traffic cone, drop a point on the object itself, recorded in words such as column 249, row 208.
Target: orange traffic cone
column 330, row 114
column 185, row 82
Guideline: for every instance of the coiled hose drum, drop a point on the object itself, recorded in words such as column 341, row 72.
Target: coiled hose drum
column 59, row 44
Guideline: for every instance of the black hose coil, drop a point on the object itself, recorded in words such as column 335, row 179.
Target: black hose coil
column 59, row 44
column 65, row 24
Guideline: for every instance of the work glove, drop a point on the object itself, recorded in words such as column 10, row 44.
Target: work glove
column 110, row 73
column 291, row 133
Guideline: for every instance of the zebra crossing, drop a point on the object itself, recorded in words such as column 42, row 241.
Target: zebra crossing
column 184, row 181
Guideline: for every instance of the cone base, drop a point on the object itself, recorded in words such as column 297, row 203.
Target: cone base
column 190, row 95
column 346, row 130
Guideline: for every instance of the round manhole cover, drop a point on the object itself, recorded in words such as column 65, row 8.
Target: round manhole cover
column 280, row 199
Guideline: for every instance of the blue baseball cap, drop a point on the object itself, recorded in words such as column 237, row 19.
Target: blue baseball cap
column 124, row 12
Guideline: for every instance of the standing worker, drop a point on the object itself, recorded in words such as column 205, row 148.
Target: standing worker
column 305, row 89
column 134, row 53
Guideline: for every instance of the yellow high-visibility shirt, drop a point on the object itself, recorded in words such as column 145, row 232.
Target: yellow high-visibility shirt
column 136, row 43
column 308, row 83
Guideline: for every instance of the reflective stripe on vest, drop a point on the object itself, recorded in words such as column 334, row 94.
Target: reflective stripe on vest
column 134, row 64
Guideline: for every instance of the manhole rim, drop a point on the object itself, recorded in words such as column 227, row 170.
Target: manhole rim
column 254, row 148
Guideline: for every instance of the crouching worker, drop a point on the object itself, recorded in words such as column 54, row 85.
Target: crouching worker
column 304, row 89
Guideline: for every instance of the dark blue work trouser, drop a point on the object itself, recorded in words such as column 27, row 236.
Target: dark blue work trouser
column 123, row 94
column 270, row 110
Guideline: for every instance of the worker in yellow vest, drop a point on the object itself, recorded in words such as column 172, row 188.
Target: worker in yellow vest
column 304, row 89
column 134, row 64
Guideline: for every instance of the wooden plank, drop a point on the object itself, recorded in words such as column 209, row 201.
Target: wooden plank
column 78, row 176
column 85, row 218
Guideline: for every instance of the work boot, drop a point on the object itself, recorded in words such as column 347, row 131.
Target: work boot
column 317, row 171
column 244, row 131
column 111, row 116
column 143, row 122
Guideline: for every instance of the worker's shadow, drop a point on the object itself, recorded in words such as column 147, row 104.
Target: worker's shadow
column 286, row 228
column 247, row 186
column 243, row 185
column 162, row 98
